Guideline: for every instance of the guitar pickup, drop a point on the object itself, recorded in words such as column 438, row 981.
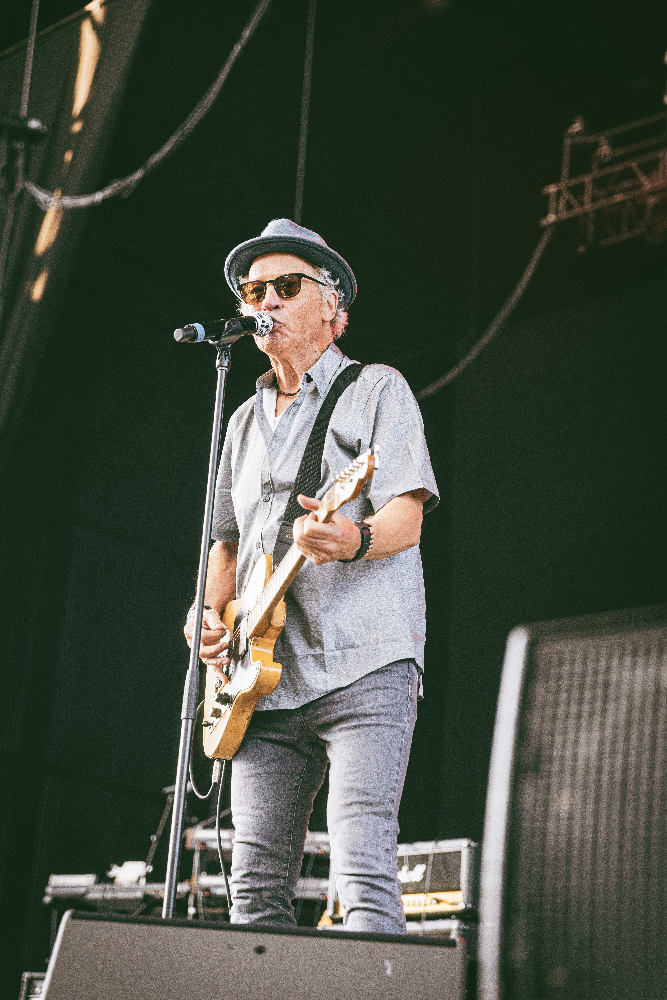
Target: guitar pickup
column 243, row 637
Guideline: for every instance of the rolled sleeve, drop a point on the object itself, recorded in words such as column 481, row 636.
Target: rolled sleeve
column 398, row 431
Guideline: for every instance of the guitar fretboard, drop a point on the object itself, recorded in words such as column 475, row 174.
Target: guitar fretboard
column 346, row 486
column 289, row 566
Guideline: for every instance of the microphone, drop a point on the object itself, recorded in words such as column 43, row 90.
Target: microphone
column 217, row 331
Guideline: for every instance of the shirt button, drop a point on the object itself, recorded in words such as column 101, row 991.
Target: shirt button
column 266, row 499
column 258, row 545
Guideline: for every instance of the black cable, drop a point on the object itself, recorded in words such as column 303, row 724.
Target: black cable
column 495, row 326
column 45, row 199
column 305, row 108
column 29, row 55
column 223, row 870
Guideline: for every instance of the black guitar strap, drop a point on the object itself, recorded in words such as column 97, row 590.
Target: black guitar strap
column 310, row 470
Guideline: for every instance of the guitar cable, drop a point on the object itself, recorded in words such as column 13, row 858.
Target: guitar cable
column 218, row 778
column 216, row 769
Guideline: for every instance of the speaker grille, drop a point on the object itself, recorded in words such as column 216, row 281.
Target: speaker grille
column 584, row 892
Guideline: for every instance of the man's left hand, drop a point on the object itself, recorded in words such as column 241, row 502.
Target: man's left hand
column 340, row 538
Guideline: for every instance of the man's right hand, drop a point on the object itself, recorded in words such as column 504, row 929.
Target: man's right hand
column 214, row 641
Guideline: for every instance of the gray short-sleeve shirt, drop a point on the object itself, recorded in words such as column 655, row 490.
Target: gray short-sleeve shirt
column 343, row 619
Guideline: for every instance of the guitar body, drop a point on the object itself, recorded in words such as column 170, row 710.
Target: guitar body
column 254, row 624
column 252, row 675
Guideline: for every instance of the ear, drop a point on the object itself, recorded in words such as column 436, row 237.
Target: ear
column 329, row 305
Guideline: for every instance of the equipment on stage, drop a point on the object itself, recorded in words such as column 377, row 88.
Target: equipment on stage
column 573, row 895
column 613, row 182
column 148, row 959
column 105, row 897
column 32, row 986
column 438, row 878
column 255, row 622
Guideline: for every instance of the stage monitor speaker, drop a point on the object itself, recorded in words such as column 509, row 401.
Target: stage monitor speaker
column 120, row 958
column 573, row 893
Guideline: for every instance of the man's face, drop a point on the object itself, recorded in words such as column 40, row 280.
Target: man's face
column 301, row 324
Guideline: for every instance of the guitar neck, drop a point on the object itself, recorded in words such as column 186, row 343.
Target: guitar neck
column 259, row 618
column 346, row 487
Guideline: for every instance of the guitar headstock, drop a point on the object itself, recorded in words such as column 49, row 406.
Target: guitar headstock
column 349, row 483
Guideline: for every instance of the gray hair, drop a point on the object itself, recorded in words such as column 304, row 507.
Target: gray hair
column 339, row 322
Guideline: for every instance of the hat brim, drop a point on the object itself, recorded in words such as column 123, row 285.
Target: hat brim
column 238, row 263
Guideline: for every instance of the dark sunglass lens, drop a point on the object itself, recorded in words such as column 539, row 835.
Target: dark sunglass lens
column 253, row 292
column 288, row 285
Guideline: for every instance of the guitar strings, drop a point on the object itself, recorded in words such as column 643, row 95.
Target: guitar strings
column 271, row 589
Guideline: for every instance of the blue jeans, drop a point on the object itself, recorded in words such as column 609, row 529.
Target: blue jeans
column 364, row 732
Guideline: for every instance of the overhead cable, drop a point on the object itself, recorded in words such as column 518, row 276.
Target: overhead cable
column 496, row 324
column 305, row 109
column 29, row 55
column 46, row 199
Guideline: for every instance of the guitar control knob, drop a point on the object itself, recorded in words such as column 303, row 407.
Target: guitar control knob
column 215, row 714
column 224, row 698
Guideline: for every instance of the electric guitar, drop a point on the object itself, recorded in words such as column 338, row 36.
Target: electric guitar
column 255, row 622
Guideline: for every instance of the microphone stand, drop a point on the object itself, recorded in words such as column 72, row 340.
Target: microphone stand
column 191, row 689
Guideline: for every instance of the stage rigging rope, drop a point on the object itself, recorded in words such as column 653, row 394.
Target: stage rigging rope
column 45, row 199
column 29, row 55
column 495, row 326
column 305, row 109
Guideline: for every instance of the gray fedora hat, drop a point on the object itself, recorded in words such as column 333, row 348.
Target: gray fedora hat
column 284, row 236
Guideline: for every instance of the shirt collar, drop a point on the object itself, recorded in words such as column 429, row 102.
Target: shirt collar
column 324, row 369
column 321, row 373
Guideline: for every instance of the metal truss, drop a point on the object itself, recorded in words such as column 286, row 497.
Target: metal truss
column 619, row 187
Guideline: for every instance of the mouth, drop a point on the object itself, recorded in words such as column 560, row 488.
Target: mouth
column 277, row 326
column 278, row 329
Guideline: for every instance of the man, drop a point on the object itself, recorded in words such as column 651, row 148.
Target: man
column 352, row 647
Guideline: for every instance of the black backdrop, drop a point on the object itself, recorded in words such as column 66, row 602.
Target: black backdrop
column 433, row 128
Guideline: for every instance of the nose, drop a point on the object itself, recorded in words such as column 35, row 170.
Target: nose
column 271, row 298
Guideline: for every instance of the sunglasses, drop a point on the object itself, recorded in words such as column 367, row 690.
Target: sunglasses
column 287, row 286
